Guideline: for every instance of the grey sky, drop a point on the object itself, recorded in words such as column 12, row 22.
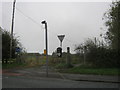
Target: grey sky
column 77, row 20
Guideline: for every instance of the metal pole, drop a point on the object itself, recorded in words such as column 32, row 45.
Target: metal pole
column 60, row 44
column 44, row 22
column 12, row 28
column 46, row 51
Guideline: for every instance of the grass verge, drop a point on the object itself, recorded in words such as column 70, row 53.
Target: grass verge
column 13, row 65
column 92, row 71
column 63, row 66
column 16, row 65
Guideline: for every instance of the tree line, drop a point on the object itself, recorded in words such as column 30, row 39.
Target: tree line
column 104, row 54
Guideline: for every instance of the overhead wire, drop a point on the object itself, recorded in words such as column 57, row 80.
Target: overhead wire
column 28, row 17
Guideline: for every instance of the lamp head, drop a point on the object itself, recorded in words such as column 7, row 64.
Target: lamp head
column 43, row 22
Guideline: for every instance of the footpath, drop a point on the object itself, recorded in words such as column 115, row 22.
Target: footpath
column 41, row 72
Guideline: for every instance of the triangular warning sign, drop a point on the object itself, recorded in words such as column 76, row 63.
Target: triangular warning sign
column 61, row 37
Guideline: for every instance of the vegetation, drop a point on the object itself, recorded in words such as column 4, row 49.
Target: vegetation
column 63, row 66
column 95, row 71
column 6, row 38
column 13, row 65
column 112, row 17
column 97, row 53
column 98, row 57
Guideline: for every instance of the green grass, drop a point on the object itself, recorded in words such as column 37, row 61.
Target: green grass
column 13, row 65
column 94, row 71
column 16, row 65
column 63, row 66
column 60, row 66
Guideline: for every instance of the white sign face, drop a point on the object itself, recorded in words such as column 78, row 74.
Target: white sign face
column 61, row 37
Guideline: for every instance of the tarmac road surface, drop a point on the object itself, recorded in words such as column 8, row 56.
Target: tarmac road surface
column 37, row 82
column 36, row 78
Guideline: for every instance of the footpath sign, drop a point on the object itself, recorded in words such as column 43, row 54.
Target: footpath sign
column 17, row 49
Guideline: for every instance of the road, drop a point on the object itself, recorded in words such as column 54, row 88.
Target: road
column 36, row 78
column 35, row 82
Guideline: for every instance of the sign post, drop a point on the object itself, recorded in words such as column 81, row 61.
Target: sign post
column 59, row 49
column 17, row 51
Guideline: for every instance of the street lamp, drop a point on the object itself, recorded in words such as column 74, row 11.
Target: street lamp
column 44, row 22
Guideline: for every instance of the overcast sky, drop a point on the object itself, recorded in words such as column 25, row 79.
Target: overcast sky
column 76, row 20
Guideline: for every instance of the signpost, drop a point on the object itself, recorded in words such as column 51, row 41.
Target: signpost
column 59, row 49
column 17, row 51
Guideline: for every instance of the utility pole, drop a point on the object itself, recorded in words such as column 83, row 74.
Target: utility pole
column 12, row 29
column 44, row 22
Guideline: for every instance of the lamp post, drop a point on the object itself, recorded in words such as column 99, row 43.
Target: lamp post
column 44, row 22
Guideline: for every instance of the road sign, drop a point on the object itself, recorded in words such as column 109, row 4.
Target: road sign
column 61, row 37
column 17, row 49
